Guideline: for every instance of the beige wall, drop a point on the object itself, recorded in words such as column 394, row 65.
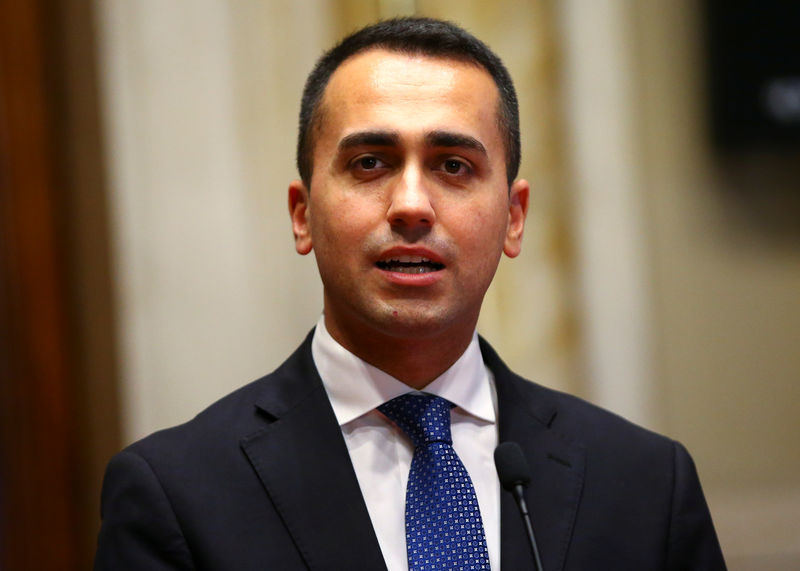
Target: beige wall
column 200, row 107
column 725, row 275
column 706, row 249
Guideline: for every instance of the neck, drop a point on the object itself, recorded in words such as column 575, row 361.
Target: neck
column 413, row 360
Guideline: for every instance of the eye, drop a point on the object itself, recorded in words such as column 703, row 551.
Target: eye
column 368, row 163
column 367, row 167
column 455, row 167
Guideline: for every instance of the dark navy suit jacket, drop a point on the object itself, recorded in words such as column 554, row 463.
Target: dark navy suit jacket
column 263, row 480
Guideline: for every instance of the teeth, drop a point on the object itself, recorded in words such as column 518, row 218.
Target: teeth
column 412, row 270
column 408, row 260
column 409, row 264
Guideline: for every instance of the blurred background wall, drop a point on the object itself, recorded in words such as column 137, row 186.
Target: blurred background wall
column 148, row 266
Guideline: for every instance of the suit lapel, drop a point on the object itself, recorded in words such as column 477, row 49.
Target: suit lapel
column 557, row 468
column 302, row 461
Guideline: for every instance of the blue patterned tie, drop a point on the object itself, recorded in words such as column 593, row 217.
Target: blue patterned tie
column 443, row 523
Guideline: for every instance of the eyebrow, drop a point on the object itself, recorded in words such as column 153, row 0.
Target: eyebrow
column 392, row 139
column 457, row 140
column 369, row 138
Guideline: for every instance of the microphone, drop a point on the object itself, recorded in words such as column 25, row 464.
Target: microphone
column 514, row 474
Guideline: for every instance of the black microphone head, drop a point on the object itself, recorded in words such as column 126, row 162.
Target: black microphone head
column 512, row 468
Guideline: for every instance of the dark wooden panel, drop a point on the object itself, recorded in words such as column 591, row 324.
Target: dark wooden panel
column 54, row 342
column 83, row 219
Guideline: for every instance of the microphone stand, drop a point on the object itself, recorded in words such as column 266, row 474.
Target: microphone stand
column 518, row 492
column 514, row 474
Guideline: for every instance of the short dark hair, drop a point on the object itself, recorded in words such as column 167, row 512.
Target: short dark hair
column 415, row 36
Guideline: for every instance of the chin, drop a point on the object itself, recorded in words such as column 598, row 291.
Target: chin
column 418, row 322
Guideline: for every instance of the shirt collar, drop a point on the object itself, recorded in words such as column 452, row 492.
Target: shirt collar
column 355, row 387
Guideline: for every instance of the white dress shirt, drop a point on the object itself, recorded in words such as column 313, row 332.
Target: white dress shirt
column 381, row 453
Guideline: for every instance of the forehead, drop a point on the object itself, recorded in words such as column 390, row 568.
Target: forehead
column 388, row 89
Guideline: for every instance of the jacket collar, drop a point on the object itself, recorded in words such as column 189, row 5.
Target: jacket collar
column 527, row 415
column 302, row 461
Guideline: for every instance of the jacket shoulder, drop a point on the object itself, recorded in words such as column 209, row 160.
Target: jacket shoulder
column 238, row 414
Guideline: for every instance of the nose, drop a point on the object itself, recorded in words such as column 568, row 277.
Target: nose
column 410, row 205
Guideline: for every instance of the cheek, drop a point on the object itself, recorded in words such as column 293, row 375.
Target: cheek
column 483, row 238
column 340, row 226
column 485, row 228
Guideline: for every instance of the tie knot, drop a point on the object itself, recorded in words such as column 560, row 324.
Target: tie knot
column 424, row 418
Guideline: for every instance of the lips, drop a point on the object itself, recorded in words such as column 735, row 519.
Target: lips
column 409, row 264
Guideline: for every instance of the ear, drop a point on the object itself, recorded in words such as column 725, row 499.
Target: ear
column 299, row 212
column 517, row 211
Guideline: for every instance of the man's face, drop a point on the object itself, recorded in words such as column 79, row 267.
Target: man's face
column 409, row 208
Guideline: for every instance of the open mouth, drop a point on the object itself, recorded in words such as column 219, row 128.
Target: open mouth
column 409, row 265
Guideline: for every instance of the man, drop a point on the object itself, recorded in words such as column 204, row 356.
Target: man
column 342, row 459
